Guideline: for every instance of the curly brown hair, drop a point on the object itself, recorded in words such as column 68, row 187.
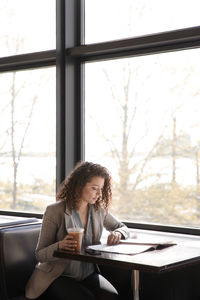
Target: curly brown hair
column 71, row 188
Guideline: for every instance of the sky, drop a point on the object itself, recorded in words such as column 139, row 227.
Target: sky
column 116, row 19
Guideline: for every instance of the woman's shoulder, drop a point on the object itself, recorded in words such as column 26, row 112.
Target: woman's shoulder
column 55, row 208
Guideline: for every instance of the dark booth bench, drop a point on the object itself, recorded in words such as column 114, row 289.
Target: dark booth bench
column 17, row 258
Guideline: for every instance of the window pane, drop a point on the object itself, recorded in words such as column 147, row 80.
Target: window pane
column 143, row 124
column 26, row 26
column 115, row 19
column 27, row 140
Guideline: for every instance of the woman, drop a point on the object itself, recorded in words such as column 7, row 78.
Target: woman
column 82, row 201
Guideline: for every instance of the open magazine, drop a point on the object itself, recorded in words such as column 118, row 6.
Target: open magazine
column 132, row 246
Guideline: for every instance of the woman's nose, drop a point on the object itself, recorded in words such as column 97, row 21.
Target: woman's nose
column 98, row 192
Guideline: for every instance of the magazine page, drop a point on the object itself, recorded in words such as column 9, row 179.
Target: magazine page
column 147, row 241
column 122, row 248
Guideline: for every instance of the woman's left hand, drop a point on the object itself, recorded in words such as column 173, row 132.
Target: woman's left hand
column 114, row 238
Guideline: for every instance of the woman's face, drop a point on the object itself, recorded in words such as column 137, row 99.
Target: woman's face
column 92, row 190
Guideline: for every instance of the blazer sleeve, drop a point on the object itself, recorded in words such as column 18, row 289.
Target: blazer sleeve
column 47, row 242
column 112, row 224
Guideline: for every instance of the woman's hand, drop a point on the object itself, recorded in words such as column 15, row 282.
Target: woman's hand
column 114, row 238
column 68, row 243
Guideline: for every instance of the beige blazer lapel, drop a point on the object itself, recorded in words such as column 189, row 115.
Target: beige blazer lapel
column 97, row 225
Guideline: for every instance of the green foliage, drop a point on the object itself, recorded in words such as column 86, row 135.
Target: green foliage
column 162, row 203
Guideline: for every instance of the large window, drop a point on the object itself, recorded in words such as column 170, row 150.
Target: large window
column 126, row 96
column 143, row 124
column 142, row 106
column 27, row 106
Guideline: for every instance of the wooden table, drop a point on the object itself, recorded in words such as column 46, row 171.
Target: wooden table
column 157, row 261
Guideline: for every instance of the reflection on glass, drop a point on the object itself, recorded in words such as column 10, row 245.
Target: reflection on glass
column 116, row 19
column 26, row 26
column 142, row 122
column 27, row 140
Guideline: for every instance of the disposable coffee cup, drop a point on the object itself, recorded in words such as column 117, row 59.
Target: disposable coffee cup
column 77, row 234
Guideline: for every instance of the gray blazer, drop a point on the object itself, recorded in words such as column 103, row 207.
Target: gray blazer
column 52, row 231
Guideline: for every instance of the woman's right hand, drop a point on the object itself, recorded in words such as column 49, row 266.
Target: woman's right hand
column 68, row 243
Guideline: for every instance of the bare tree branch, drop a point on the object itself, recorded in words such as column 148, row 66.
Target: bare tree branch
column 113, row 149
column 26, row 128
column 146, row 160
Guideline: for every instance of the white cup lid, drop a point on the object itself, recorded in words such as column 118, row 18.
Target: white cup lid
column 75, row 229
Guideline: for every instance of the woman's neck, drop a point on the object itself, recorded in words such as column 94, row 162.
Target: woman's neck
column 83, row 207
column 83, row 213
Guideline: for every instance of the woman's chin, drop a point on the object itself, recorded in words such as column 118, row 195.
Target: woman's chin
column 94, row 201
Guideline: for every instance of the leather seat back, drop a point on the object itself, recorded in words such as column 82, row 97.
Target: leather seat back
column 17, row 258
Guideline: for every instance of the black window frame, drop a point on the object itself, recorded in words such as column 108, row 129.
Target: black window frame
column 69, row 58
